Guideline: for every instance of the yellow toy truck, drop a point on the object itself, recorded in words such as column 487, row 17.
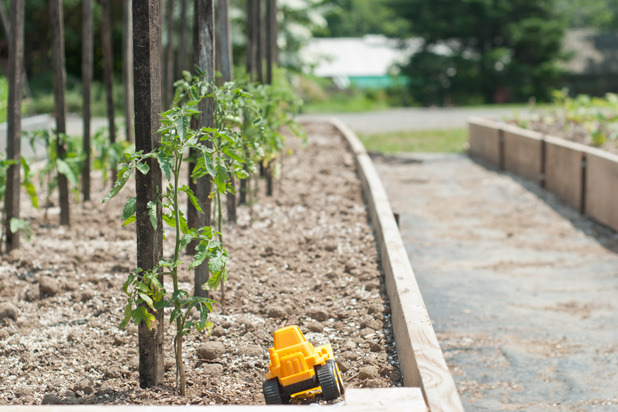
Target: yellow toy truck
column 297, row 369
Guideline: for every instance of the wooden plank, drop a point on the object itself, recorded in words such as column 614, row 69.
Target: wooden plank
column 60, row 109
column 168, row 83
column 147, row 75
column 259, row 42
column 422, row 362
column 182, row 63
column 271, row 38
column 87, row 58
column 410, row 398
column 13, row 146
column 127, row 68
column 223, row 56
column 203, row 57
column 108, row 69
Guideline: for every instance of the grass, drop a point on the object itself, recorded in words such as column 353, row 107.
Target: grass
column 431, row 141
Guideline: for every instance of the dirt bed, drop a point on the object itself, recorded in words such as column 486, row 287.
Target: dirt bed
column 306, row 256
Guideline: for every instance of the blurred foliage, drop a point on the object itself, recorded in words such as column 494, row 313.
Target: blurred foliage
column 355, row 18
column 601, row 14
column 482, row 50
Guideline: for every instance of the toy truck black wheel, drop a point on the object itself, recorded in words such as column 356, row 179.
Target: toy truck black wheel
column 328, row 380
column 272, row 392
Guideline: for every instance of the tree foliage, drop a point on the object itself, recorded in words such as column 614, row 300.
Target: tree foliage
column 477, row 51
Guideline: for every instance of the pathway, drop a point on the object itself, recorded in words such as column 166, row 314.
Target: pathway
column 522, row 290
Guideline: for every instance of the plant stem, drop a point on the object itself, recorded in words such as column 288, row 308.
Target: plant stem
column 180, row 370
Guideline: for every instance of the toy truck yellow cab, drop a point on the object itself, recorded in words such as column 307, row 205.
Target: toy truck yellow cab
column 297, row 368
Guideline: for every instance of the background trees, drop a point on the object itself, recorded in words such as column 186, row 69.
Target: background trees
column 482, row 51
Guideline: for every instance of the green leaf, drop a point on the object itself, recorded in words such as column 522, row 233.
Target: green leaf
column 182, row 124
column 230, row 153
column 217, row 261
column 65, row 169
column 129, row 208
column 199, row 257
column 142, row 167
column 123, row 175
column 169, row 219
column 129, row 220
column 221, row 178
column 208, row 163
column 192, row 198
column 175, row 314
column 167, row 164
column 184, row 242
column 147, row 300
column 152, row 213
column 20, row 225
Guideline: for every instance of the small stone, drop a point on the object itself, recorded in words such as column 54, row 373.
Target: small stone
column 349, row 344
column 86, row 295
column 4, row 334
column 210, row 350
column 213, row 369
column 31, row 294
column 251, row 350
column 23, row 391
column 343, row 366
column 349, row 266
column 50, row 399
column 318, row 314
column 276, row 312
column 368, row 372
column 119, row 341
column 375, row 308
column 371, row 324
column 85, row 386
column 330, row 246
column 48, row 286
column 375, row 347
column 315, row 327
column 350, row 356
column 105, row 389
column 68, row 394
column 8, row 311
column 373, row 383
column 218, row 331
column 71, row 285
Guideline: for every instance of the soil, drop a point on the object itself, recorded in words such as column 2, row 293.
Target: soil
column 572, row 131
column 306, row 256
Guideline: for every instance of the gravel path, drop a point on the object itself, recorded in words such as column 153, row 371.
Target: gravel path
column 521, row 289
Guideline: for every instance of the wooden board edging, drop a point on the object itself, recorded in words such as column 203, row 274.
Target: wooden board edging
column 421, row 359
column 596, row 191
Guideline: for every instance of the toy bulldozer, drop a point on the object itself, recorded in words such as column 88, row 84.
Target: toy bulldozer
column 298, row 370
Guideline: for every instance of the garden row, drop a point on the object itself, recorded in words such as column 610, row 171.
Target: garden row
column 584, row 177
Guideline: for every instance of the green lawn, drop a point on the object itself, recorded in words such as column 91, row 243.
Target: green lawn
column 441, row 140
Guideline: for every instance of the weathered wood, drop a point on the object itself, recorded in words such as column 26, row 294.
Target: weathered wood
column 183, row 41
column 168, row 85
column 13, row 146
column 87, row 58
column 271, row 38
column 108, row 68
column 259, row 42
column 147, row 84
column 251, row 38
column 60, row 109
column 224, row 64
column 422, row 361
column 204, row 58
column 127, row 68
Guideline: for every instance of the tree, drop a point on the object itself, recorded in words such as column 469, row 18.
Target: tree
column 355, row 18
column 482, row 50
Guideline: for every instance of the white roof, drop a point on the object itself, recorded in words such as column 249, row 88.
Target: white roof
column 355, row 57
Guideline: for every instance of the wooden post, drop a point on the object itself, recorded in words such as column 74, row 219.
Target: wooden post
column 224, row 63
column 271, row 38
column 251, row 38
column 108, row 71
column 86, row 92
column 60, row 109
column 168, row 86
column 271, row 45
column 147, row 75
column 127, row 68
column 204, row 58
column 259, row 42
column 183, row 41
column 15, row 70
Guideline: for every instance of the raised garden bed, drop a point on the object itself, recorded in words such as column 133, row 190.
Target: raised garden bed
column 306, row 256
column 584, row 177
